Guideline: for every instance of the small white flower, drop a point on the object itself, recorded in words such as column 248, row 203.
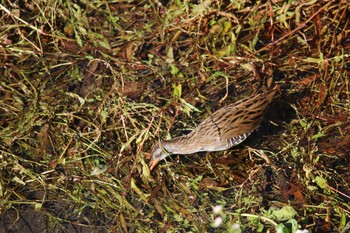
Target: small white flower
column 302, row 231
column 236, row 226
column 217, row 222
column 217, row 209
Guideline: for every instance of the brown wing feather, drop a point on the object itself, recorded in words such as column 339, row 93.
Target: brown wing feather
column 235, row 119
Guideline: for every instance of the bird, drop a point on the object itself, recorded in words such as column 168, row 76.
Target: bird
column 223, row 129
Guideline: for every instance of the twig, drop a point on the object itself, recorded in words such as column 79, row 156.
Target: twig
column 302, row 25
column 23, row 21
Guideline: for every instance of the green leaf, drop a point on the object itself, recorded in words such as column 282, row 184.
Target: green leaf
column 79, row 41
column 138, row 190
column 168, row 136
column 318, row 135
column 342, row 222
column 321, row 182
column 177, row 90
column 283, row 214
column 189, row 106
column 312, row 187
column 302, row 123
column 102, row 191
column 280, row 228
column 104, row 116
column 174, row 70
column 38, row 206
column 82, row 30
column 170, row 53
column 292, row 225
column 76, row 96
column 104, row 44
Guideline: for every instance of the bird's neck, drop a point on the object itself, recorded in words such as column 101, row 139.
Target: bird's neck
column 180, row 145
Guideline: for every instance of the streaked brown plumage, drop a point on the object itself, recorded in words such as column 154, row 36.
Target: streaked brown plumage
column 225, row 128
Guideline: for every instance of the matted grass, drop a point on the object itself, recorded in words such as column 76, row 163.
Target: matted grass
column 87, row 88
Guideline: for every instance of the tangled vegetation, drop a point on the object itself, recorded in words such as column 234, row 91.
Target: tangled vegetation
column 88, row 87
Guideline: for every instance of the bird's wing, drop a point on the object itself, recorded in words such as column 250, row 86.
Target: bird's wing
column 237, row 119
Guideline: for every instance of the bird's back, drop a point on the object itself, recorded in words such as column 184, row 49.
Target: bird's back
column 231, row 124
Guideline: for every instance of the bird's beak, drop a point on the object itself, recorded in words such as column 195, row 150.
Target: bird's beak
column 152, row 164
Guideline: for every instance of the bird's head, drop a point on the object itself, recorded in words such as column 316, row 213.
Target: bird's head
column 158, row 153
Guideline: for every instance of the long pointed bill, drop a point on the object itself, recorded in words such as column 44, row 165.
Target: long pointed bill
column 152, row 164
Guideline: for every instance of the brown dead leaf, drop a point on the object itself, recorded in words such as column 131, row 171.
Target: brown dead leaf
column 294, row 191
column 185, row 213
column 123, row 222
column 322, row 95
column 130, row 51
column 202, row 76
column 309, row 79
column 89, row 81
column 132, row 90
column 53, row 164
column 158, row 207
column 327, row 222
column 70, row 46
column 154, row 192
column 206, row 183
column 147, row 155
column 43, row 137
column 299, row 197
column 337, row 145
column 292, row 62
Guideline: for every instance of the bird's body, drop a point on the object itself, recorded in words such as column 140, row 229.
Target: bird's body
column 225, row 128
